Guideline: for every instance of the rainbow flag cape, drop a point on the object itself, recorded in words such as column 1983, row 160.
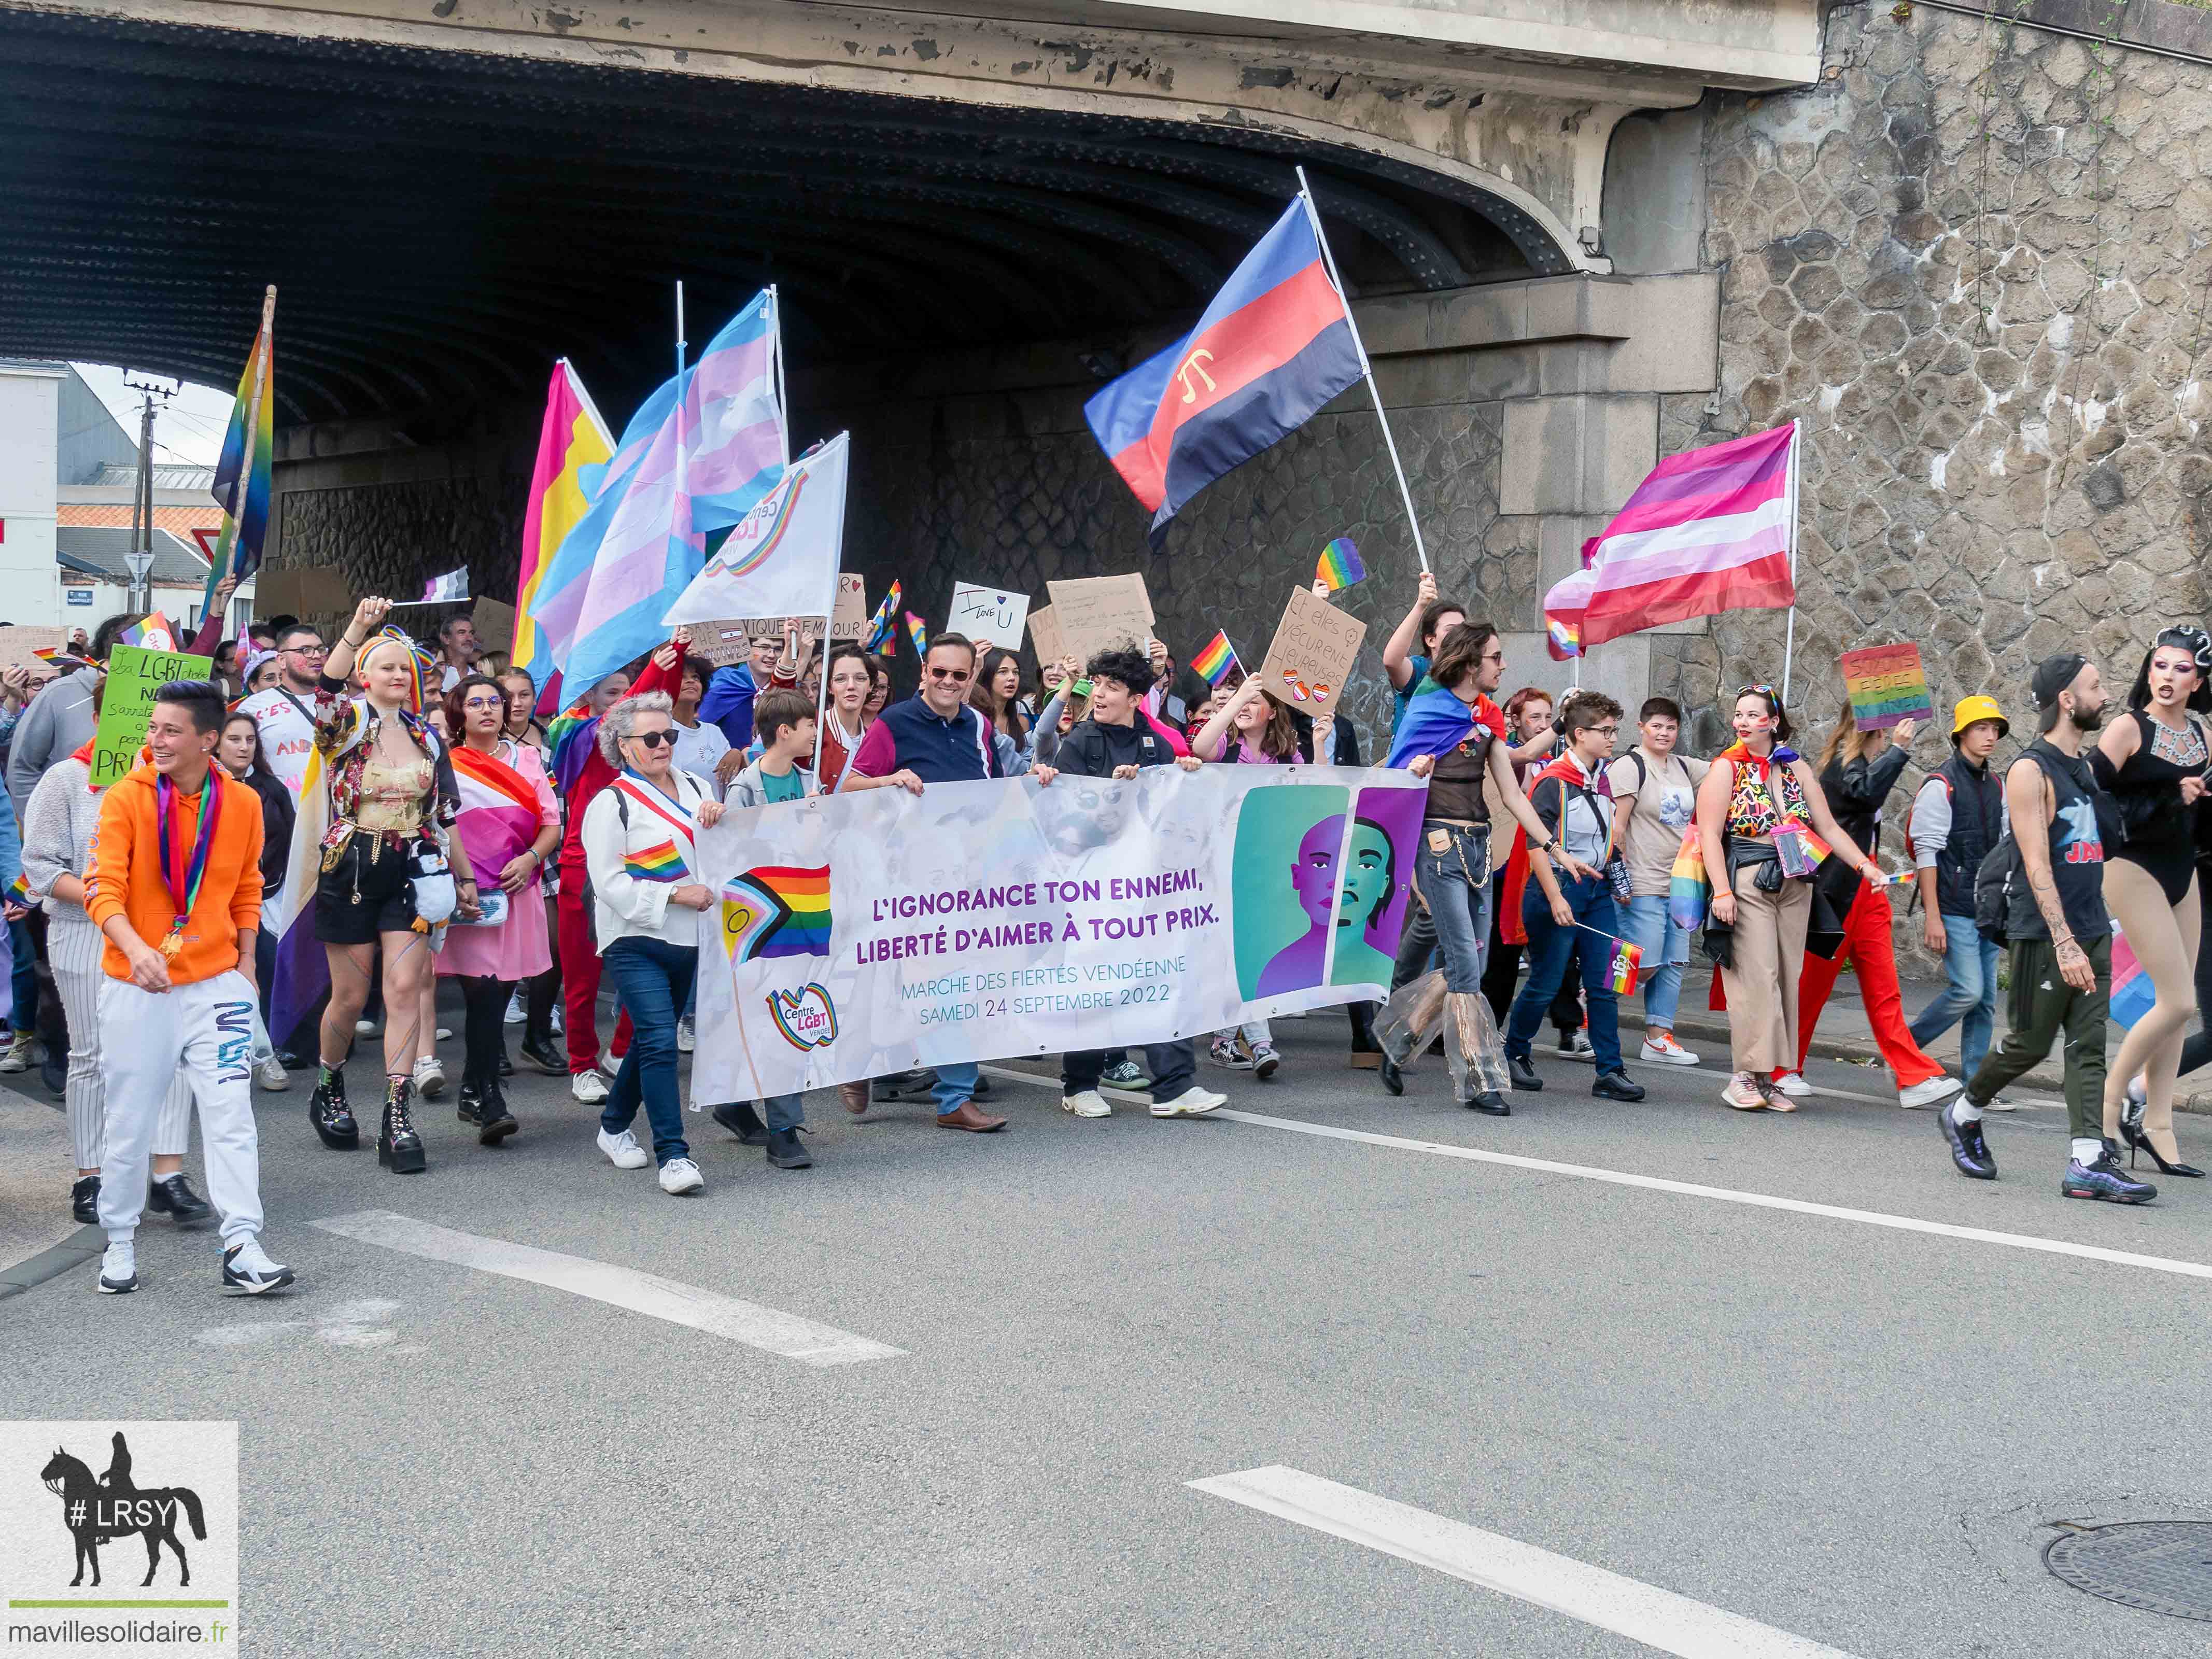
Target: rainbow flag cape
column 882, row 627
column 243, row 472
column 776, row 911
column 1340, row 565
column 1217, row 659
column 659, row 862
column 919, row 632
column 570, row 735
column 2132, row 991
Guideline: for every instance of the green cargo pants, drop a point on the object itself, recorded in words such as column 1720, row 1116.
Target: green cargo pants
column 2039, row 1006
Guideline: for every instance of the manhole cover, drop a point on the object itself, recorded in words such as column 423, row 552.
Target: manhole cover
column 2161, row 1566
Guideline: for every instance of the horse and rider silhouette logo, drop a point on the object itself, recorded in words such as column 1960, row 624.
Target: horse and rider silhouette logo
column 97, row 1511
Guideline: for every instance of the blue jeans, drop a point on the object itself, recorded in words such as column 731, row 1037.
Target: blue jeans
column 1454, row 884
column 653, row 978
column 1550, row 948
column 1666, row 950
column 954, row 1085
column 1970, row 1001
column 784, row 1112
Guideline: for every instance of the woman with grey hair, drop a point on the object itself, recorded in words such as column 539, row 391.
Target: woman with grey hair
column 639, row 849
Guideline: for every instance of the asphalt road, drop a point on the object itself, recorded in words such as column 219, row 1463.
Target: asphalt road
column 1849, row 1431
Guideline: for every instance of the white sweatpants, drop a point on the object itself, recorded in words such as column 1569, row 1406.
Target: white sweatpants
column 74, row 954
column 204, row 1030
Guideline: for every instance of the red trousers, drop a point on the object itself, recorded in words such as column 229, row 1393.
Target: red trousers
column 1867, row 943
column 579, row 978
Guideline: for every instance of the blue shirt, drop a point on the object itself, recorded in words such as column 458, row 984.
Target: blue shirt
column 923, row 742
column 1404, row 693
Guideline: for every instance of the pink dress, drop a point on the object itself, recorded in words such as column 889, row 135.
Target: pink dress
column 496, row 822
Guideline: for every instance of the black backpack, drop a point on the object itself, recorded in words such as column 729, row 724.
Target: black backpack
column 2002, row 873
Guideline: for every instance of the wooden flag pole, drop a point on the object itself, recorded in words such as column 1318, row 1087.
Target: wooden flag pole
column 1366, row 368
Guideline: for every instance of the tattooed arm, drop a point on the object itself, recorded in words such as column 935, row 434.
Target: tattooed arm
column 2031, row 803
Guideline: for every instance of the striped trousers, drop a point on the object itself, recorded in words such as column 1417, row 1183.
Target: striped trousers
column 73, row 951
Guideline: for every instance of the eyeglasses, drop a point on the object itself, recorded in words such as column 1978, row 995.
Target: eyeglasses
column 306, row 650
column 1613, row 731
column 654, row 739
column 957, row 676
column 485, row 702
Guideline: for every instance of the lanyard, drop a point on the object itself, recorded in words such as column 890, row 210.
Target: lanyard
column 183, row 877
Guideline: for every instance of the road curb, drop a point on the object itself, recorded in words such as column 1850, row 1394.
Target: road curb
column 51, row 1263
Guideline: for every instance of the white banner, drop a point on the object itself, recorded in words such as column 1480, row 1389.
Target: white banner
column 859, row 934
column 780, row 559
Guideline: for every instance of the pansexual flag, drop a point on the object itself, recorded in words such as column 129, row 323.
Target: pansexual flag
column 572, row 439
column 1709, row 530
column 1273, row 347
column 1340, row 565
column 1216, row 659
column 776, row 911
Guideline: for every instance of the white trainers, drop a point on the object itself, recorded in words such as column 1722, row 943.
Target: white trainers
column 247, row 1269
column 429, row 1078
column 118, row 1267
column 444, row 1034
column 1086, row 1102
column 1791, row 1083
column 553, row 1018
column 364, row 1028
column 1193, row 1101
column 1660, row 1049
column 271, row 1075
column 589, row 1087
column 1743, row 1094
column 680, row 1176
column 686, row 1038
column 622, row 1150
column 16, row 1057
column 515, row 1011
column 1927, row 1093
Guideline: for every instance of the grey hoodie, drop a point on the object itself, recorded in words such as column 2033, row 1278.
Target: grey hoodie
column 55, row 727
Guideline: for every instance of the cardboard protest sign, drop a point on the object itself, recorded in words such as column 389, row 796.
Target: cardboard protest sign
column 133, row 677
column 721, row 643
column 315, row 592
column 1044, row 635
column 495, row 624
column 19, row 646
column 988, row 613
column 1096, row 613
column 1312, row 652
column 850, row 621
column 1887, row 684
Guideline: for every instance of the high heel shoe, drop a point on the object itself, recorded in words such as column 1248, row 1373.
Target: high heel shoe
column 2131, row 1131
column 398, row 1145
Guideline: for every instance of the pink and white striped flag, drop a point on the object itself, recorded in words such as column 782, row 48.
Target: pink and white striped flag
column 1709, row 530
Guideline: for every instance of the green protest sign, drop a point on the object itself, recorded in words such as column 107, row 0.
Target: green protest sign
column 133, row 677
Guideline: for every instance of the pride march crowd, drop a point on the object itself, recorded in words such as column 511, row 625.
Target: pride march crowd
column 411, row 803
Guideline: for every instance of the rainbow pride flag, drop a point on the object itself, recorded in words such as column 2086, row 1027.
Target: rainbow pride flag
column 570, row 735
column 1688, row 888
column 777, row 910
column 659, row 862
column 20, row 889
column 2132, row 992
column 882, row 627
column 1340, row 565
column 1626, row 960
column 149, row 633
column 919, row 632
column 1217, row 659
column 244, row 470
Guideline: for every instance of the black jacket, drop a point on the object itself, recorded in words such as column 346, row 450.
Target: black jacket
column 1977, row 825
column 1855, row 793
column 277, row 813
column 1091, row 751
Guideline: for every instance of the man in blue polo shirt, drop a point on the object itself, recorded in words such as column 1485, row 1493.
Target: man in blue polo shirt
column 936, row 738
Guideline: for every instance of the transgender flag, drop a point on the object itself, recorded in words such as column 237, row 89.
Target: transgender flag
column 1709, row 530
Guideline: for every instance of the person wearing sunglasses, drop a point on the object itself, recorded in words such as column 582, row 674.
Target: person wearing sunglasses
column 935, row 736
column 640, row 850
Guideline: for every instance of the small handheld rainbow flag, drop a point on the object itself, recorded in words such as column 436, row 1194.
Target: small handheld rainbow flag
column 21, row 889
column 919, row 632
column 1217, row 659
column 1340, row 565
column 661, row 862
column 149, row 633
column 882, row 627
column 1627, row 959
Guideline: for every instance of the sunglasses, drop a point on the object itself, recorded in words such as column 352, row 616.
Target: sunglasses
column 957, row 676
column 654, row 739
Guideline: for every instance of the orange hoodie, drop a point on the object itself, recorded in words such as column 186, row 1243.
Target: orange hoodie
column 125, row 877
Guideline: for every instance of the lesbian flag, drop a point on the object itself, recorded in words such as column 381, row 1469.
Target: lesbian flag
column 572, row 439
column 1216, row 659
column 1273, row 347
column 1709, row 530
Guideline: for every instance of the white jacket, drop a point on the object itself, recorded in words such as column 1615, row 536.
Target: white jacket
column 623, row 859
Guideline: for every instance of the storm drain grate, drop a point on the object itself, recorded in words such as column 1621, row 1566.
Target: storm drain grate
column 2161, row 1566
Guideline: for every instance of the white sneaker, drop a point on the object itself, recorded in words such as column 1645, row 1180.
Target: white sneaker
column 1660, row 1048
column 1927, row 1093
column 17, row 1055
column 515, row 1011
column 1743, row 1094
column 2000, row 1105
column 1193, row 1101
column 1576, row 1045
column 118, row 1267
column 686, row 1038
column 1223, row 1051
column 247, row 1268
column 444, row 1034
column 589, row 1087
column 1791, row 1083
column 429, row 1078
column 622, row 1150
column 680, row 1176
column 364, row 1028
column 271, row 1075
column 1086, row 1102
column 553, row 1019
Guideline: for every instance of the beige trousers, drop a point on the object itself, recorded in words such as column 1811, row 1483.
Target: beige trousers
column 2164, row 938
column 1762, row 984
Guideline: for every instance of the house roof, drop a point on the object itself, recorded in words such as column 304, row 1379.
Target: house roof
column 167, row 475
column 98, row 550
column 181, row 519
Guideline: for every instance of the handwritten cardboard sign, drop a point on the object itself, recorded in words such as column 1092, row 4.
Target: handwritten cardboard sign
column 315, row 592
column 495, row 624
column 725, row 642
column 133, row 677
column 1097, row 613
column 1887, row 684
column 20, row 647
column 1315, row 648
column 1044, row 635
column 988, row 613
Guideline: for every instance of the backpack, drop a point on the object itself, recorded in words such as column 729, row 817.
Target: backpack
column 1994, row 886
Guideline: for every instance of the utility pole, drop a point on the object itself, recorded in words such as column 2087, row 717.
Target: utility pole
column 140, row 556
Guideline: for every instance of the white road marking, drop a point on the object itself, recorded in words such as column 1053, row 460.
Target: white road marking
column 1659, row 1619
column 748, row 1322
column 1686, row 1189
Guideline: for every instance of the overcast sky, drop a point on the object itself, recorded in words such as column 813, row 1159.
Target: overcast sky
column 188, row 427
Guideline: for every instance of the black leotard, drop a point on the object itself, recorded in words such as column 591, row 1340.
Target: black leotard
column 2161, row 831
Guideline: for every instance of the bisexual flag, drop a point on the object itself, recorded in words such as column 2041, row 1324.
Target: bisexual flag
column 1273, row 347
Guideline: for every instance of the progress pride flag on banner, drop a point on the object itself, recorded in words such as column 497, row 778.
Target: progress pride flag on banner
column 1709, row 530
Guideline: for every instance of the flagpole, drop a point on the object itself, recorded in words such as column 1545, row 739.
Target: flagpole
column 782, row 401
column 1366, row 368
column 1789, row 633
column 822, row 679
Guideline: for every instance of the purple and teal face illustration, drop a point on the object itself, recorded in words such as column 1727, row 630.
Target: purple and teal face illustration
column 1368, row 874
column 1313, row 876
